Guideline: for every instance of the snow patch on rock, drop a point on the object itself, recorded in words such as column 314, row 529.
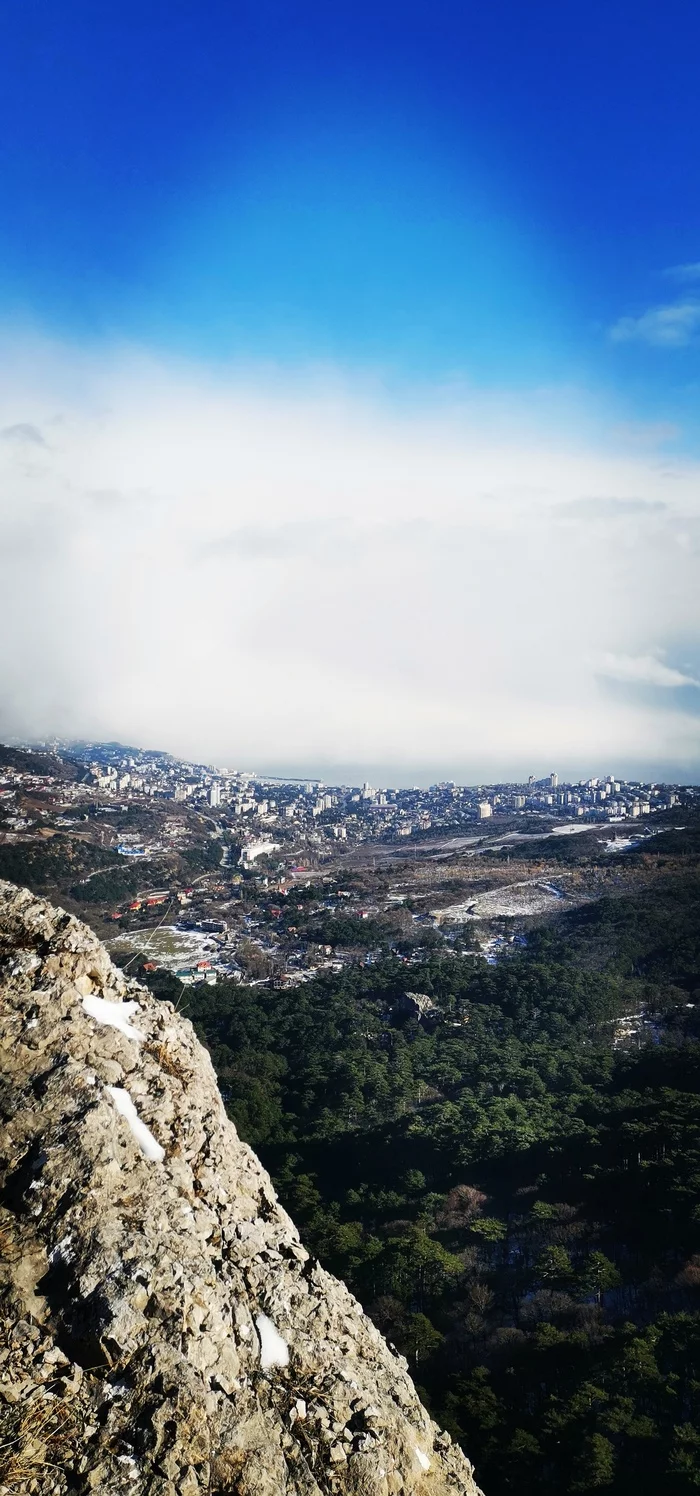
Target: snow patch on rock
column 145, row 1139
column 274, row 1351
column 115, row 1014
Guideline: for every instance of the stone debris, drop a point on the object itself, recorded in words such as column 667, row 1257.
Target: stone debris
column 133, row 1289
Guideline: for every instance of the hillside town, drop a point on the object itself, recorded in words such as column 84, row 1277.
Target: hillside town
column 206, row 873
column 264, row 809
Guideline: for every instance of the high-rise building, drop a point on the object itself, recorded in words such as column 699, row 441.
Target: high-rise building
column 485, row 810
column 215, row 794
column 553, row 780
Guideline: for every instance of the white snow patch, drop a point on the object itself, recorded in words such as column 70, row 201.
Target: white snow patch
column 132, row 1469
column 115, row 1389
column 145, row 1139
column 273, row 1349
column 567, row 830
column 117, row 1015
column 422, row 1458
column 63, row 1249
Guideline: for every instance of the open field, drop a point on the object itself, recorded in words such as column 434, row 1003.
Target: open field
column 534, row 896
column 168, row 946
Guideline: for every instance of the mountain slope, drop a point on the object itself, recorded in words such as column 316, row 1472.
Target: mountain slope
column 164, row 1329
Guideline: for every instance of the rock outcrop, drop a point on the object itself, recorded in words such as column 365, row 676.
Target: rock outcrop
column 418, row 1005
column 162, row 1329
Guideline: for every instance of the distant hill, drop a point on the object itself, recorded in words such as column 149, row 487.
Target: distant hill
column 25, row 761
column 107, row 753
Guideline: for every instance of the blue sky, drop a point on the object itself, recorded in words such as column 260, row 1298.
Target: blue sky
column 357, row 346
column 433, row 189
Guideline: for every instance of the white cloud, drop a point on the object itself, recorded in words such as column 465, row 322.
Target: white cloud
column 647, row 433
column 672, row 326
column 603, row 508
column 644, row 670
column 684, row 273
column 22, row 431
column 292, row 571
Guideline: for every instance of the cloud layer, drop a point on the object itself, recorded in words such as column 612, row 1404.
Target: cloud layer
column 685, row 274
column 285, row 571
column 645, row 670
column 672, row 326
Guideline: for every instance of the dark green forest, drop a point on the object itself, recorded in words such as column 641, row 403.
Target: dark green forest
column 514, row 1197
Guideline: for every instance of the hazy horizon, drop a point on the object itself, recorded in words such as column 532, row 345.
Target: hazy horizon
column 379, row 775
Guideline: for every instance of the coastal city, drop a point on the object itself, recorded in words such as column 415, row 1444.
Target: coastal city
column 205, row 873
column 289, row 812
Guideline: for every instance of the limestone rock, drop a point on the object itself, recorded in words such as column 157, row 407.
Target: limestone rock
column 418, row 1005
column 162, row 1329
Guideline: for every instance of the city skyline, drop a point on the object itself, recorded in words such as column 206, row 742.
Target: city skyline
column 217, row 773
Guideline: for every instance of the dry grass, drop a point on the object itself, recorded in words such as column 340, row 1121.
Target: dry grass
column 43, row 1436
column 9, row 1250
column 170, row 1062
column 226, row 1470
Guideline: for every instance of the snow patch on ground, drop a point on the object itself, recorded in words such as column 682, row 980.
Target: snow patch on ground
column 145, row 1139
column 533, row 896
column 116, row 1015
column 570, row 830
column 422, row 1458
column 273, row 1349
column 168, row 946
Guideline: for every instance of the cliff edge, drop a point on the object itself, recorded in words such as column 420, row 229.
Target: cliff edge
column 162, row 1329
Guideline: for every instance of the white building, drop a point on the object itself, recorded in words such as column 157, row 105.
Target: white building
column 257, row 849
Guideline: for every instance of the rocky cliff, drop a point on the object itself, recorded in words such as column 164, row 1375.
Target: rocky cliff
column 162, row 1329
